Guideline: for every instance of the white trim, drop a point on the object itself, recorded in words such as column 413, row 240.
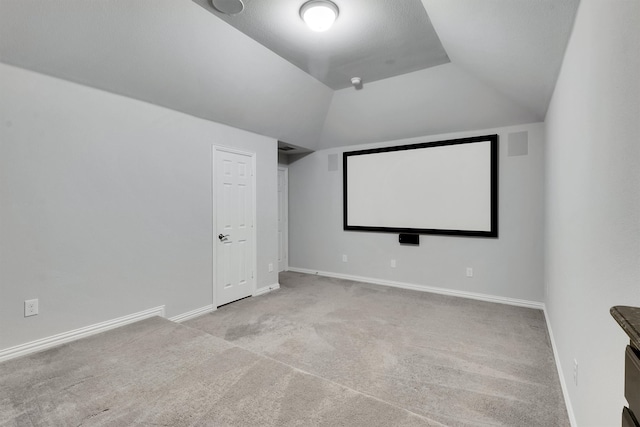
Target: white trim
column 563, row 383
column 65, row 337
column 424, row 288
column 266, row 289
column 193, row 313
column 214, row 236
column 286, row 208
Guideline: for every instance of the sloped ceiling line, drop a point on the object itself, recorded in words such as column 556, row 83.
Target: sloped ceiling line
column 505, row 58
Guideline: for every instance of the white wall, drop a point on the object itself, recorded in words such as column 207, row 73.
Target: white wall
column 510, row 266
column 433, row 101
column 513, row 46
column 593, row 203
column 107, row 206
column 170, row 53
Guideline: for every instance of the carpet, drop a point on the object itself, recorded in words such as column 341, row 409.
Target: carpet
column 455, row 361
column 159, row 373
column 318, row 351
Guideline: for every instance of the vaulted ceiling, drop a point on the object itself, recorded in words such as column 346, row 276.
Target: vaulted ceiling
column 504, row 58
column 371, row 39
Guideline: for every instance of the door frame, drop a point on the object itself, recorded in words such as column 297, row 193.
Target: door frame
column 214, row 208
column 286, row 207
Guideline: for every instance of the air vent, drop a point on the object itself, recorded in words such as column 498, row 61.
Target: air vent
column 285, row 148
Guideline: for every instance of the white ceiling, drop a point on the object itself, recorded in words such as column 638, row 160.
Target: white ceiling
column 505, row 57
column 371, row 39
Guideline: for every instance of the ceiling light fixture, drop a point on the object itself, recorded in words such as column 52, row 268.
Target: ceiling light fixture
column 319, row 15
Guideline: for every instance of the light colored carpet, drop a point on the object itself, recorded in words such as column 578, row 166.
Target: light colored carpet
column 456, row 361
column 158, row 373
column 318, row 351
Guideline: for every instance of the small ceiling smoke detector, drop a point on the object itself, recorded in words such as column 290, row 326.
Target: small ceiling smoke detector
column 356, row 82
column 319, row 15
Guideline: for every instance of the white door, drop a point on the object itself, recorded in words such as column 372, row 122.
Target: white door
column 283, row 218
column 233, row 231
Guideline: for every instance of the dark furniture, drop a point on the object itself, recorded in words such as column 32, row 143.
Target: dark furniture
column 629, row 319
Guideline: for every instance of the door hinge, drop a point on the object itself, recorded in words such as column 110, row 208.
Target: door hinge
column 252, row 274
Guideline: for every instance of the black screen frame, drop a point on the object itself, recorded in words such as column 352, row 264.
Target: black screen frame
column 492, row 233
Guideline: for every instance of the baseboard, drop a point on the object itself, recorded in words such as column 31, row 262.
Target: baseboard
column 423, row 288
column 563, row 383
column 193, row 313
column 266, row 289
column 65, row 337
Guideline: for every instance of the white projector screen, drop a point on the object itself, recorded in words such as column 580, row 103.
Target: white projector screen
column 445, row 187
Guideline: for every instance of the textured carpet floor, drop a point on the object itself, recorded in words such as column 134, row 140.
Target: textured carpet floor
column 455, row 361
column 158, row 373
column 318, row 351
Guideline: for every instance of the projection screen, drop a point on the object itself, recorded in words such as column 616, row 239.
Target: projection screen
column 445, row 187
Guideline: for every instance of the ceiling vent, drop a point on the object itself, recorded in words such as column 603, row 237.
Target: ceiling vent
column 229, row 7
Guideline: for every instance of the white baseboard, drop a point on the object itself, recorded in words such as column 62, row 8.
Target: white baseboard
column 193, row 313
column 424, row 288
column 65, row 337
column 266, row 289
column 563, row 383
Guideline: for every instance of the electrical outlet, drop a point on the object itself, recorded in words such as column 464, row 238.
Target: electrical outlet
column 393, row 263
column 469, row 272
column 575, row 371
column 344, row 258
column 270, row 267
column 30, row 307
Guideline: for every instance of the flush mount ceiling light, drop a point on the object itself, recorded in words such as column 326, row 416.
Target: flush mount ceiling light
column 319, row 15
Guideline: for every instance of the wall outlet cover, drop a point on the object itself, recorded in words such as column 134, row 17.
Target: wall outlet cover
column 30, row 307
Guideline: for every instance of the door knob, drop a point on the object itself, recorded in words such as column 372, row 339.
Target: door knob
column 222, row 237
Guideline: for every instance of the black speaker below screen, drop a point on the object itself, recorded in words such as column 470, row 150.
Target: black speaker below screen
column 409, row 239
